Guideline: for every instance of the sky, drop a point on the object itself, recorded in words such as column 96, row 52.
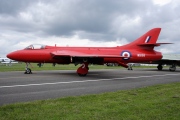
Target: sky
column 87, row 23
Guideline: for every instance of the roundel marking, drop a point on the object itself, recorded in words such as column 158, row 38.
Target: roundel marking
column 126, row 55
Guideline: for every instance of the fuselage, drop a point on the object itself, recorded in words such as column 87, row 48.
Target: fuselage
column 44, row 55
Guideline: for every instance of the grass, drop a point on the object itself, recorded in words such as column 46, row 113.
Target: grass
column 21, row 67
column 160, row 102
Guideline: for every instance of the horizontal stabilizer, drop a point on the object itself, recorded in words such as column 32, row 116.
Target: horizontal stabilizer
column 152, row 44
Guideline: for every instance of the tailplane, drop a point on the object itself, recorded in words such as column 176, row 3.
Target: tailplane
column 146, row 41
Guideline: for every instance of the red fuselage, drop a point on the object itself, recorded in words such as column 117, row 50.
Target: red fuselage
column 44, row 55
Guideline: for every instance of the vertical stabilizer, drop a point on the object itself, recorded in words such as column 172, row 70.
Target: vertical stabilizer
column 146, row 41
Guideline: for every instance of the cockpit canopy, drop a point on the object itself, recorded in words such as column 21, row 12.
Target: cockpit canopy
column 35, row 46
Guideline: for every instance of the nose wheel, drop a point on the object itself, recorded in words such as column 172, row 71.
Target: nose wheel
column 28, row 71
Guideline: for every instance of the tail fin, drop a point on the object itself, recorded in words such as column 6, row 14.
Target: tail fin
column 146, row 41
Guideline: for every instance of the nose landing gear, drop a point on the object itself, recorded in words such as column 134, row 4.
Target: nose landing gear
column 27, row 70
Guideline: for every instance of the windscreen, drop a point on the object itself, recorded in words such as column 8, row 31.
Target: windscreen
column 35, row 46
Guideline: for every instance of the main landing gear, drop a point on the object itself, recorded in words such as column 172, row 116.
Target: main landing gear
column 27, row 70
column 83, row 69
column 171, row 68
column 130, row 66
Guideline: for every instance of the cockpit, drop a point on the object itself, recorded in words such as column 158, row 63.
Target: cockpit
column 35, row 46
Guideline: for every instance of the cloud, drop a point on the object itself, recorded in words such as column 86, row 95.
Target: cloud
column 90, row 22
column 161, row 2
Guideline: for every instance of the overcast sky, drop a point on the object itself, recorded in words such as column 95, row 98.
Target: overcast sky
column 87, row 22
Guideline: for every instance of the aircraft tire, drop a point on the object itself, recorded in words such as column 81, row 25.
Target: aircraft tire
column 159, row 67
column 130, row 69
column 28, row 71
column 171, row 70
column 82, row 75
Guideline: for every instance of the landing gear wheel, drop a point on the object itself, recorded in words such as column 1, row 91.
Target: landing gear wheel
column 82, row 75
column 28, row 71
column 172, row 68
column 130, row 69
column 159, row 67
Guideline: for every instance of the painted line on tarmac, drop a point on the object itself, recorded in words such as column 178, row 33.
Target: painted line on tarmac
column 98, row 80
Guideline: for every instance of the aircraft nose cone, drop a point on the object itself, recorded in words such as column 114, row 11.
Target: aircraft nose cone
column 11, row 56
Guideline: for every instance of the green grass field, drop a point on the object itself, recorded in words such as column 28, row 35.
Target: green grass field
column 21, row 67
column 160, row 102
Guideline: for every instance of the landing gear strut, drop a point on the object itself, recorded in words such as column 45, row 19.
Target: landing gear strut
column 27, row 70
column 130, row 67
column 83, row 69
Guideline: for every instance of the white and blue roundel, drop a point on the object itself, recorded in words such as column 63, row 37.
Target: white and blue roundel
column 126, row 55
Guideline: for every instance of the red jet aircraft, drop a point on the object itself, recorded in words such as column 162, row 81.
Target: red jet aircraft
column 139, row 51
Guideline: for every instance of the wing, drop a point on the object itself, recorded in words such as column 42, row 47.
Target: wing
column 69, row 53
column 78, row 57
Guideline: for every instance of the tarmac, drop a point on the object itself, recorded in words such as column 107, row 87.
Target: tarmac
column 18, row 87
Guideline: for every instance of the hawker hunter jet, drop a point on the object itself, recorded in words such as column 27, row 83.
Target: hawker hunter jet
column 139, row 51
